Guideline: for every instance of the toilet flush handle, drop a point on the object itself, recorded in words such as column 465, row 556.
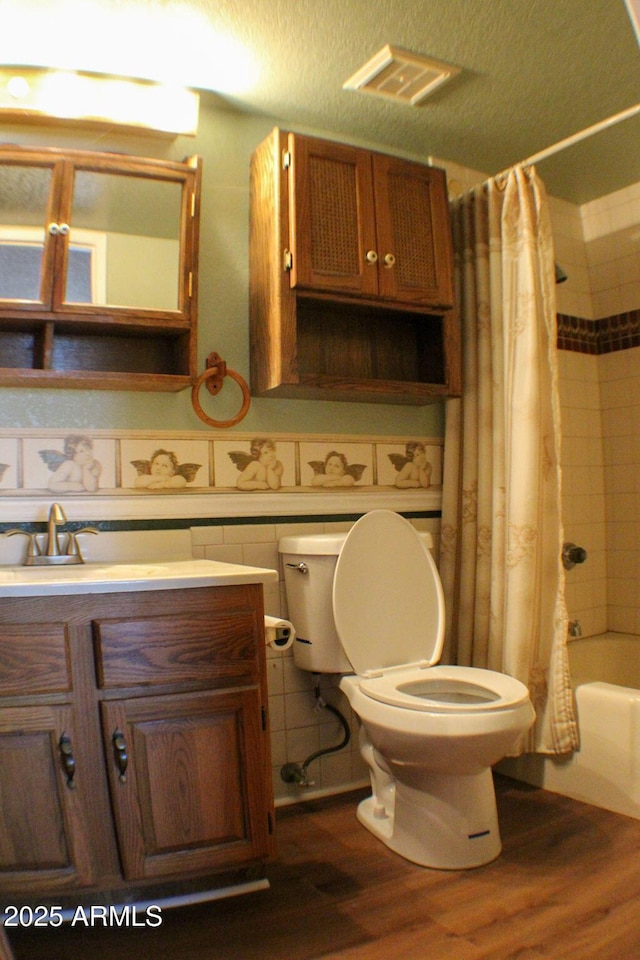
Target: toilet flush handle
column 300, row 567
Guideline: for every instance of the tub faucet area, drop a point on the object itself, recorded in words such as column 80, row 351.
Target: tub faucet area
column 52, row 552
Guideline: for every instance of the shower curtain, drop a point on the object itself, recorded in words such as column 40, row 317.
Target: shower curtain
column 502, row 532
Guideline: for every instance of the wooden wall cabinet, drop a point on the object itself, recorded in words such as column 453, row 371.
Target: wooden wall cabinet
column 351, row 275
column 134, row 749
column 98, row 270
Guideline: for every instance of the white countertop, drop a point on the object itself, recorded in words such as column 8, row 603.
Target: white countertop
column 46, row 581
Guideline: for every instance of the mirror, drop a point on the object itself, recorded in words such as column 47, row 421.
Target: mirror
column 129, row 227
column 24, row 197
column 124, row 238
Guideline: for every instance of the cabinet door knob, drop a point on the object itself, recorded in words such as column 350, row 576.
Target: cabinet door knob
column 63, row 229
column 371, row 256
column 389, row 259
column 121, row 755
column 68, row 760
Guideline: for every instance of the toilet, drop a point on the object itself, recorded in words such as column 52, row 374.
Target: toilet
column 368, row 604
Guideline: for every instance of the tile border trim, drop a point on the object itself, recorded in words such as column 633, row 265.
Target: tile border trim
column 620, row 331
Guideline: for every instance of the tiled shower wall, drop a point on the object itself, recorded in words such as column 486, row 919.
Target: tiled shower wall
column 620, row 396
column 598, row 245
column 583, row 486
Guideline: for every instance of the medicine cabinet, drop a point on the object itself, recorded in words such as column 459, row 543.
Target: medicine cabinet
column 98, row 270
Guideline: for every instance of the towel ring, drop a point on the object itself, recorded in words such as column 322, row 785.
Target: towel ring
column 215, row 372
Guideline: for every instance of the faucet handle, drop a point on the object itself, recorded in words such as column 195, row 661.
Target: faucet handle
column 33, row 547
column 73, row 547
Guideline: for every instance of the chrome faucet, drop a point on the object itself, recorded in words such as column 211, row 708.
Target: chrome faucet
column 52, row 553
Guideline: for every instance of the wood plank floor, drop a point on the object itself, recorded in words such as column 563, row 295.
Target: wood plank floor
column 566, row 887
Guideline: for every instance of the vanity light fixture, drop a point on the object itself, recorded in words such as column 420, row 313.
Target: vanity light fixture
column 401, row 75
column 40, row 95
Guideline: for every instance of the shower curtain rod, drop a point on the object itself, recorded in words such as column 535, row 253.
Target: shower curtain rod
column 577, row 137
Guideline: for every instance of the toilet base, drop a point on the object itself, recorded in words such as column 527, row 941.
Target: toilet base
column 450, row 823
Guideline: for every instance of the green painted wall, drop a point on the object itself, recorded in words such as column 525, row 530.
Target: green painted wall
column 225, row 141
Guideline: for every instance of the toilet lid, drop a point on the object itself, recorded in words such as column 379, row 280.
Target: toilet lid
column 387, row 597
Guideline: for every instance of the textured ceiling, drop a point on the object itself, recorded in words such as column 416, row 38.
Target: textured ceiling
column 532, row 71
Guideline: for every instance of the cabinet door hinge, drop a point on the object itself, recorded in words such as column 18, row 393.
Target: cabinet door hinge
column 193, row 205
column 270, row 824
column 263, row 711
column 286, row 159
column 287, row 260
column 190, row 285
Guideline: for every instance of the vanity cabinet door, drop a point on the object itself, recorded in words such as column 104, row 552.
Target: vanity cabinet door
column 44, row 841
column 187, row 780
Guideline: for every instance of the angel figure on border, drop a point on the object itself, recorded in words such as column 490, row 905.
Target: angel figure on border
column 260, row 468
column 75, row 469
column 335, row 471
column 414, row 470
column 164, row 472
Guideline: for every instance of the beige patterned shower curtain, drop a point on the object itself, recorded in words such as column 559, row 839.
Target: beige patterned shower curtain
column 501, row 525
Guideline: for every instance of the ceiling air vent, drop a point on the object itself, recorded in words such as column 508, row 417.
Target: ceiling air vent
column 401, row 75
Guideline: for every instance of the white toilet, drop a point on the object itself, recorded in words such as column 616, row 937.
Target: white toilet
column 369, row 605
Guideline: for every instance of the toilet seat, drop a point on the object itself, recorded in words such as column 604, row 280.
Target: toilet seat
column 445, row 689
column 383, row 549
column 397, row 668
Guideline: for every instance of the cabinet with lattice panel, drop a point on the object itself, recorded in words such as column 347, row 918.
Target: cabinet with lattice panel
column 351, row 293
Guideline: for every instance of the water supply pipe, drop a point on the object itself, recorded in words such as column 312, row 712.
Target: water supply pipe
column 297, row 772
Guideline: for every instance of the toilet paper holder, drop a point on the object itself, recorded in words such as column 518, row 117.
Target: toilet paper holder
column 279, row 634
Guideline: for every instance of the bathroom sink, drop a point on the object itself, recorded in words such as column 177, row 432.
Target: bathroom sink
column 97, row 577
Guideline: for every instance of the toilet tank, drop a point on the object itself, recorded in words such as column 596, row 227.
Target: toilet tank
column 309, row 562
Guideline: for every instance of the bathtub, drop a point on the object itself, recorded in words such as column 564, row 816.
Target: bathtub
column 606, row 770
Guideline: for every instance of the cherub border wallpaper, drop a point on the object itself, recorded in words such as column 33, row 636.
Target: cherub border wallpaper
column 100, row 462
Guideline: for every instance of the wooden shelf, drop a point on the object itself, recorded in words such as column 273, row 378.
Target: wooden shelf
column 84, row 380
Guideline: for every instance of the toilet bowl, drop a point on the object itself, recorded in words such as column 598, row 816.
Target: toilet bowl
column 369, row 605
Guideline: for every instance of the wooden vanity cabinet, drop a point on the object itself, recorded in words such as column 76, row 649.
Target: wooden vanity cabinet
column 163, row 709
column 98, row 270
column 351, row 275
